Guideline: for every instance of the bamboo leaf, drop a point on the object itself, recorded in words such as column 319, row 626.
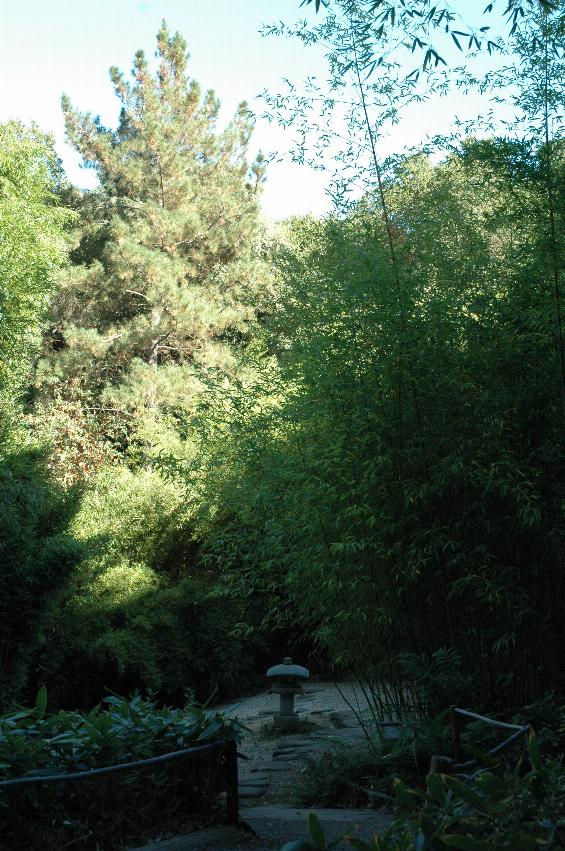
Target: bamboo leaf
column 316, row 832
column 436, row 789
column 464, row 792
column 41, row 702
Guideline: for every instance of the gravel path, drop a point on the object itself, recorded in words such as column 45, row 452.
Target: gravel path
column 316, row 697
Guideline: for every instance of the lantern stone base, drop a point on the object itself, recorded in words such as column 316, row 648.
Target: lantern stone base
column 286, row 723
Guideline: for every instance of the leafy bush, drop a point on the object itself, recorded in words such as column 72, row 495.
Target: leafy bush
column 38, row 554
column 523, row 810
column 104, row 811
column 352, row 778
column 547, row 718
column 139, row 613
column 169, row 639
column 515, row 811
column 437, row 681
column 134, row 516
column 32, row 246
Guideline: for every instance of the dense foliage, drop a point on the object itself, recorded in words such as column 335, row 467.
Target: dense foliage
column 514, row 799
column 37, row 551
column 31, row 246
column 399, row 505
column 137, row 612
column 345, row 434
column 394, row 479
column 164, row 284
column 523, row 809
column 112, row 808
column 38, row 554
column 165, row 270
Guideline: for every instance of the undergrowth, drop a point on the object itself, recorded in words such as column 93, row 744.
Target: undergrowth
column 106, row 811
column 347, row 777
column 495, row 807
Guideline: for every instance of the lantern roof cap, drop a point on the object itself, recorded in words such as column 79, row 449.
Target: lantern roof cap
column 288, row 669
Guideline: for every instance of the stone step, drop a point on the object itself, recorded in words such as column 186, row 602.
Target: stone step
column 286, row 757
column 307, row 746
column 252, row 791
column 276, row 824
column 330, row 734
column 270, row 766
column 221, row 838
column 348, row 734
column 252, row 775
column 293, row 757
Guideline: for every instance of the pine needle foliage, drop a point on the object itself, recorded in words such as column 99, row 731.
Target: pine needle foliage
column 166, row 262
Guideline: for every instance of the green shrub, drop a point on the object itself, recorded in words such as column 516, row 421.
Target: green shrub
column 139, row 613
column 38, row 553
column 354, row 778
column 438, row 681
column 522, row 810
column 341, row 778
column 135, row 517
column 105, row 811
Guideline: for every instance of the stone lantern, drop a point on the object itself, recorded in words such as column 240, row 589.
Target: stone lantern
column 287, row 681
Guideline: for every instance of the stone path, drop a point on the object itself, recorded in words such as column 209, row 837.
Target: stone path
column 270, row 767
column 273, row 766
column 272, row 826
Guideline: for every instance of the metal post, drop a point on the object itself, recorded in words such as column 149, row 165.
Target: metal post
column 232, row 783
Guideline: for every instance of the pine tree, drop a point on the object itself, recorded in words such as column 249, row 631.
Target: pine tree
column 166, row 273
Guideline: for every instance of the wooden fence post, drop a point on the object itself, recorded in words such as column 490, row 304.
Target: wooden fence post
column 232, row 782
column 456, row 723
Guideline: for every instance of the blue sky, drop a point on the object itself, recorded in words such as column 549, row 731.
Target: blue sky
column 48, row 47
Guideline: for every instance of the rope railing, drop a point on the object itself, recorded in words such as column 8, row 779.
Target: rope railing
column 459, row 717
column 230, row 776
